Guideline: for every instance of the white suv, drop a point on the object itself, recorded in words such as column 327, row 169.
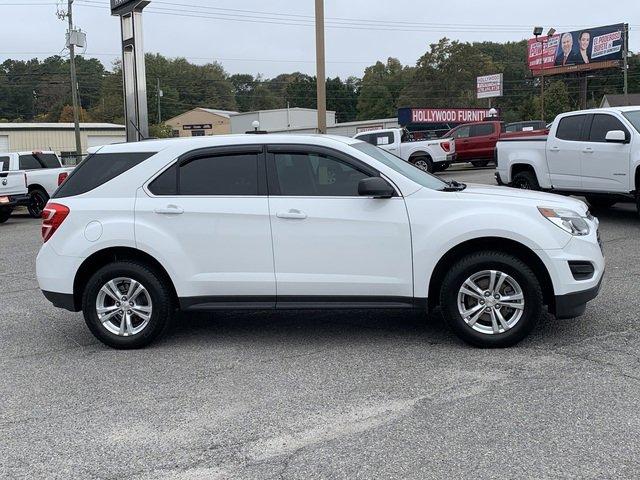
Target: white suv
column 305, row 222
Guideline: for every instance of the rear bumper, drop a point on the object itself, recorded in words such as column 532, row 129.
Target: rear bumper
column 61, row 300
column 11, row 201
column 574, row 304
column 23, row 200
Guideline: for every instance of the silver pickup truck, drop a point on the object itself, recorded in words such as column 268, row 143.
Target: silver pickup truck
column 13, row 192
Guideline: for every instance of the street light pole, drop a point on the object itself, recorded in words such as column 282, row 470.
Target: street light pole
column 74, row 83
column 320, row 68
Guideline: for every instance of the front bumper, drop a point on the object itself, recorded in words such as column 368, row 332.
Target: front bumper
column 574, row 304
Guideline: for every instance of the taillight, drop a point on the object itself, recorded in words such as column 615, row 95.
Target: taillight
column 62, row 177
column 52, row 217
column 446, row 146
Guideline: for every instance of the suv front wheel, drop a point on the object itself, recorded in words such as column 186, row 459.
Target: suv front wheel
column 491, row 299
column 127, row 305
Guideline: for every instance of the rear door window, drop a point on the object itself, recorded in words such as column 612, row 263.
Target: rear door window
column 570, row 128
column 29, row 162
column 224, row 174
column 4, row 164
column 98, row 169
column 384, row 139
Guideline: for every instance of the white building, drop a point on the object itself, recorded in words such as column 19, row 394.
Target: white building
column 59, row 137
column 349, row 129
column 279, row 120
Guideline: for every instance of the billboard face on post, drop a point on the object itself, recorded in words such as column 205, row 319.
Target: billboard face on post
column 588, row 49
column 489, row 86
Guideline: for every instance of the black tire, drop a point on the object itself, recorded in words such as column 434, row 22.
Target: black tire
column 600, row 202
column 441, row 167
column 39, row 199
column 480, row 164
column 5, row 214
column 423, row 163
column 525, row 180
column 503, row 262
column 162, row 302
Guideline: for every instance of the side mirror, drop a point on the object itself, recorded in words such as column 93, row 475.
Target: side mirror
column 376, row 187
column 616, row 136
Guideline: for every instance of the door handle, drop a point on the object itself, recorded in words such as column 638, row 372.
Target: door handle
column 554, row 149
column 169, row 210
column 292, row 214
column 587, row 150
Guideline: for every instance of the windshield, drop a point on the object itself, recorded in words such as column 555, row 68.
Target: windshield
column 634, row 118
column 404, row 168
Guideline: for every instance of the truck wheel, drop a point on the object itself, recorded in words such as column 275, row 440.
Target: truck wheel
column 423, row 163
column 525, row 181
column 39, row 199
column 600, row 202
column 491, row 299
column 441, row 167
column 5, row 214
column 127, row 305
column 481, row 164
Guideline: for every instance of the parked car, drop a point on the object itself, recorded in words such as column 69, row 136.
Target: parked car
column 595, row 153
column 44, row 172
column 527, row 126
column 305, row 222
column 476, row 142
column 13, row 191
column 428, row 155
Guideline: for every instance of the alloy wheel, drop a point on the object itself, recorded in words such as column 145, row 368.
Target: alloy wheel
column 491, row 302
column 124, row 306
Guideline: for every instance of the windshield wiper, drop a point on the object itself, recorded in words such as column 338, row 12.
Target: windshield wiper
column 454, row 186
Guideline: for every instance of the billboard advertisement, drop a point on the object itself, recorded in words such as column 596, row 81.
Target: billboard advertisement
column 588, row 49
column 441, row 115
column 489, row 86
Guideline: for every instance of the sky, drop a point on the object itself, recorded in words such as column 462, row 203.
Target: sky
column 277, row 36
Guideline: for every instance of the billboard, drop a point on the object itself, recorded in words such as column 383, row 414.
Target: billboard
column 489, row 86
column 588, row 49
column 441, row 115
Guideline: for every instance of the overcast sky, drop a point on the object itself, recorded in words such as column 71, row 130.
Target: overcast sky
column 271, row 37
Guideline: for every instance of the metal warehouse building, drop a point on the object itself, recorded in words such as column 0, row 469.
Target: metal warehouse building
column 59, row 137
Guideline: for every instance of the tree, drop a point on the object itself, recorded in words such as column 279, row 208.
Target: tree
column 556, row 100
column 66, row 116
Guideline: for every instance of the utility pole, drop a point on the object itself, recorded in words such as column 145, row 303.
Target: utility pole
column 625, row 60
column 320, row 68
column 159, row 93
column 74, row 83
column 542, row 97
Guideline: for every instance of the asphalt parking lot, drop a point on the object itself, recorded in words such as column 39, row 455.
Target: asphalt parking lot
column 321, row 394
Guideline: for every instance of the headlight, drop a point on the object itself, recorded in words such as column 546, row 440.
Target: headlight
column 568, row 220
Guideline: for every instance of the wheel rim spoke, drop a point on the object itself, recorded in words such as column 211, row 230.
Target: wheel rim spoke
column 502, row 321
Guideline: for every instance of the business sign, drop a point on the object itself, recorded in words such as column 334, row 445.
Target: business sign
column 200, row 126
column 369, row 128
column 441, row 115
column 118, row 7
column 489, row 86
column 589, row 49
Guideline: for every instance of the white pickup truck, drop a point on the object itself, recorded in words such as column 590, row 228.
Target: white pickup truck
column 595, row 153
column 429, row 155
column 44, row 174
column 13, row 192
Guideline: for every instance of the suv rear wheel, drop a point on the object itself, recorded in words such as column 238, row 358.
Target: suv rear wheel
column 491, row 299
column 127, row 305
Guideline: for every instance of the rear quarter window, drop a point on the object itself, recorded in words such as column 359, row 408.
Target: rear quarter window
column 98, row 169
